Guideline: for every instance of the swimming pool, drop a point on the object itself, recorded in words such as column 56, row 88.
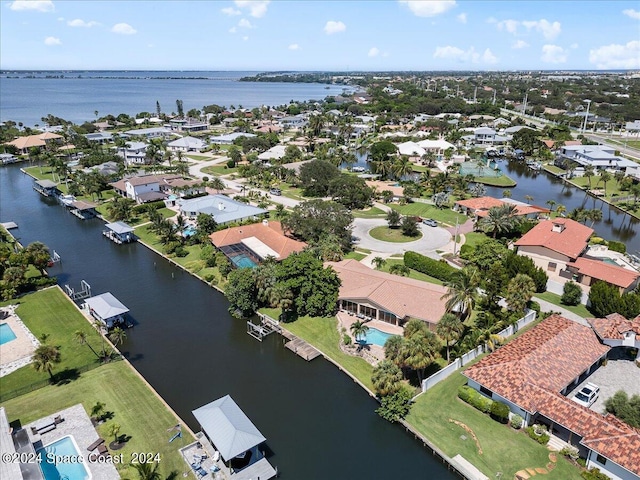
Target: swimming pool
column 6, row 334
column 243, row 261
column 189, row 231
column 375, row 337
column 52, row 466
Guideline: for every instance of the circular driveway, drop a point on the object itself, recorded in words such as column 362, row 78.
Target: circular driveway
column 432, row 238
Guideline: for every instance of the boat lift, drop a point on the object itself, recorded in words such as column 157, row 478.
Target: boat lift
column 85, row 291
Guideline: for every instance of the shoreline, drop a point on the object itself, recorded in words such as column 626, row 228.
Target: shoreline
column 562, row 177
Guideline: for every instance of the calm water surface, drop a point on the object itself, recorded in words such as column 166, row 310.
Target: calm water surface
column 318, row 423
column 79, row 94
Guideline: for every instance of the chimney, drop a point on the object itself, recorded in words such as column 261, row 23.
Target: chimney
column 220, row 206
column 265, row 222
column 558, row 227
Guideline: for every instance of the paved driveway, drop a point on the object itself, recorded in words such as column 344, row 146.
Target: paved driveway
column 615, row 375
column 432, row 239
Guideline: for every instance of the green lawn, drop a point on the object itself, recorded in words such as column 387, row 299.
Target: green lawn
column 613, row 187
column 426, row 210
column 555, row 170
column 355, row 256
column 373, row 212
column 46, row 173
column 474, row 238
column 50, row 311
column 221, row 169
column 504, row 449
column 394, row 235
column 323, row 333
column 412, row 273
column 198, row 158
column 555, row 299
column 135, row 408
column 501, row 181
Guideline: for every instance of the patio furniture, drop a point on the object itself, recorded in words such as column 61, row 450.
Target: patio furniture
column 102, row 449
column 95, row 444
column 58, row 420
column 34, row 430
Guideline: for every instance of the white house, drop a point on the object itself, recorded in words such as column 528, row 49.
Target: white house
column 154, row 132
column 135, row 153
column 274, row 153
column 186, row 144
column 597, row 156
column 229, row 138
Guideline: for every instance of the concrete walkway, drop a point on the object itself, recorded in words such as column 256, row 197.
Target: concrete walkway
column 550, row 307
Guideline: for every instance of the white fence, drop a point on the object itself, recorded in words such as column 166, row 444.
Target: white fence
column 459, row 362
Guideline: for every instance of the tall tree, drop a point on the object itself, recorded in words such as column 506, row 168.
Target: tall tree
column 500, row 220
column 45, row 357
column 81, row 338
column 462, row 291
column 386, row 378
column 449, row 328
column 519, row 291
column 359, row 330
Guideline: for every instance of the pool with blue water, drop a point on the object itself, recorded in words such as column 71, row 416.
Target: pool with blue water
column 54, row 469
column 375, row 337
column 243, row 261
column 6, row 334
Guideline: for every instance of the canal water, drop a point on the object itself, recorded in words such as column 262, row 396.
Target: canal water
column 318, row 423
column 542, row 186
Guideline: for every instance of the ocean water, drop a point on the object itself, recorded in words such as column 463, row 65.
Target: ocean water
column 75, row 96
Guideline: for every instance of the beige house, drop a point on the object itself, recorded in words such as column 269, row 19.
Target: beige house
column 552, row 244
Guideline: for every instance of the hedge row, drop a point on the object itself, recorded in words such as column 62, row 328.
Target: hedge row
column 434, row 268
column 475, row 398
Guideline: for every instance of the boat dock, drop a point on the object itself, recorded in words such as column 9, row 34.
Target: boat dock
column 269, row 325
column 119, row 232
column 302, row 348
column 9, row 225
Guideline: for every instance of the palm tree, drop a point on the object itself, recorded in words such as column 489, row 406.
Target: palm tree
column 528, row 198
column 393, row 350
column 114, row 429
column 421, row 350
column 386, row 378
column 98, row 325
column 117, row 336
column 97, row 410
column 551, row 204
column 595, row 215
column 45, row 357
column 402, row 167
column 81, row 338
column 604, row 178
column 560, row 210
column 462, row 291
column 491, row 340
column 449, row 328
column 500, row 219
column 506, row 193
column 399, row 269
column 217, row 184
column 379, row 262
column 589, row 172
column 359, row 330
column 519, row 291
column 147, row 471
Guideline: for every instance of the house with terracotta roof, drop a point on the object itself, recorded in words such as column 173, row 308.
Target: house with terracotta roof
column 389, row 298
column 586, row 271
column 479, row 207
column 256, row 241
column 616, row 331
column 533, row 373
column 552, row 244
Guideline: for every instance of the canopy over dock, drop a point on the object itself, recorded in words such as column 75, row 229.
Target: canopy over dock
column 107, row 308
column 119, row 232
column 46, row 187
column 83, row 210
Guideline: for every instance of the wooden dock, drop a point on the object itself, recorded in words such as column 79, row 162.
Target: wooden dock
column 302, row 349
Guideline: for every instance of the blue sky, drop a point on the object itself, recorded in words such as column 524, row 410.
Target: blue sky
column 320, row 35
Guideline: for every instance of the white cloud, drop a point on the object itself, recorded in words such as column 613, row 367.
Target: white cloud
column 334, row 27
column 574, row 46
column 37, row 5
column 244, row 23
column 462, row 18
column 294, row 46
column 616, row 56
column 635, row 14
column 256, row 8
column 245, row 38
column 431, row 8
column 232, row 30
column 553, row 54
column 61, row 19
column 51, row 41
column 373, row 52
column 81, row 23
column 548, row 29
column 520, row 44
column 123, row 29
column 231, row 11
column 471, row 55
column 488, row 57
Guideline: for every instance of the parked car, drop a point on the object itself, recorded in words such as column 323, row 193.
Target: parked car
column 587, row 395
column 429, row 222
column 275, row 191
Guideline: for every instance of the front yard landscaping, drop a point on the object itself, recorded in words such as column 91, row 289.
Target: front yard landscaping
column 394, row 235
column 426, row 210
column 555, row 299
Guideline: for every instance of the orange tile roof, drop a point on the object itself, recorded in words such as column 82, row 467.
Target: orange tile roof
column 480, row 203
column 613, row 274
column 550, row 356
column 270, row 234
column 27, row 142
column 404, row 297
column 571, row 241
column 614, row 325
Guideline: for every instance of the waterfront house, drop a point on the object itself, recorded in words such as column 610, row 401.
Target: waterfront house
column 533, row 373
column 411, row 150
column 600, row 157
column 99, row 137
column 186, row 144
column 276, row 152
column 222, row 208
column 586, row 271
column 229, row 138
column 235, row 438
column 143, row 189
column 134, row 153
column 107, row 309
column 297, row 121
column 479, row 207
column 23, row 144
column 255, row 242
column 552, row 244
column 188, row 125
column 377, row 295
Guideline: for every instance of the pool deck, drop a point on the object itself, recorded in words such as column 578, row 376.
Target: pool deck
column 18, row 352
column 345, row 320
column 77, row 424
